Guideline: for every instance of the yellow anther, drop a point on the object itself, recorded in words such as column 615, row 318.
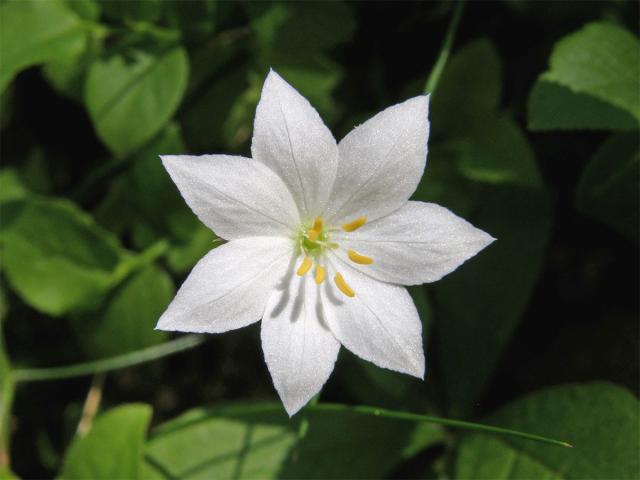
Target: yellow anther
column 318, row 224
column 305, row 266
column 357, row 258
column 313, row 234
column 320, row 274
column 356, row 224
column 342, row 285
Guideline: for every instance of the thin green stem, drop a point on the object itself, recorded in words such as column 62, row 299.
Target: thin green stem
column 380, row 412
column 445, row 50
column 107, row 364
column 7, row 388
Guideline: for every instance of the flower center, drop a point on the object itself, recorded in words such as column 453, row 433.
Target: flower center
column 314, row 239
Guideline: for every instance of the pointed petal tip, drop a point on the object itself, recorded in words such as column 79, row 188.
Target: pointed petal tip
column 419, row 371
column 291, row 409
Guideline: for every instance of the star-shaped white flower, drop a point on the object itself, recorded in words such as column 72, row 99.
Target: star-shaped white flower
column 321, row 238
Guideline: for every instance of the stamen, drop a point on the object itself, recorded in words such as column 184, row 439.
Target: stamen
column 360, row 259
column 313, row 234
column 320, row 274
column 356, row 224
column 342, row 285
column 318, row 224
column 305, row 266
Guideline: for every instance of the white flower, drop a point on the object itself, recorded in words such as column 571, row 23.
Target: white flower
column 321, row 238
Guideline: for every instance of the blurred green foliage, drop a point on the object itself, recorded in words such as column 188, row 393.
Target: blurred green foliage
column 534, row 138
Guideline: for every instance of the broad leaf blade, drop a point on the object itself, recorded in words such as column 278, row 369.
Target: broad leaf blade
column 555, row 107
column 608, row 189
column 33, row 32
column 130, row 98
column 39, row 263
column 481, row 457
column 600, row 60
column 113, row 448
column 130, row 315
column 600, row 420
column 479, row 305
column 260, row 441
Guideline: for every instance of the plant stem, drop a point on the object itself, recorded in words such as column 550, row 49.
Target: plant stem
column 445, row 50
column 380, row 412
column 112, row 363
column 7, row 388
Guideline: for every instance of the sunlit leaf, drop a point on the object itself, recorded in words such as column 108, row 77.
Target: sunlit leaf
column 131, row 97
column 600, row 60
column 34, row 32
column 129, row 314
column 260, row 441
column 113, row 448
column 55, row 257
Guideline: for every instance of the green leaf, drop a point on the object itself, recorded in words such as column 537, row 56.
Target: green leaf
column 131, row 97
column 608, row 188
column 479, row 305
column 68, row 78
column 182, row 257
column 600, row 60
column 301, row 28
column 600, row 420
column 55, row 257
column 11, row 187
column 468, row 91
column 34, row 32
column 113, row 448
column 486, row 146
column 484, row 457
column 196, row 19
column 145, row 11
column 217, row 118
column 555, row 107
column 294, row 39
column 496, row 151
column 130, row 315
column 87, row 9
column 260, row 441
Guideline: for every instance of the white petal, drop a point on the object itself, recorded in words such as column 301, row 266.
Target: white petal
column 291, row 139
column 381, row 162
column 229, row 287
column 299, row 349
column 419, row 243
column 380, row 324
column 234, row 196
